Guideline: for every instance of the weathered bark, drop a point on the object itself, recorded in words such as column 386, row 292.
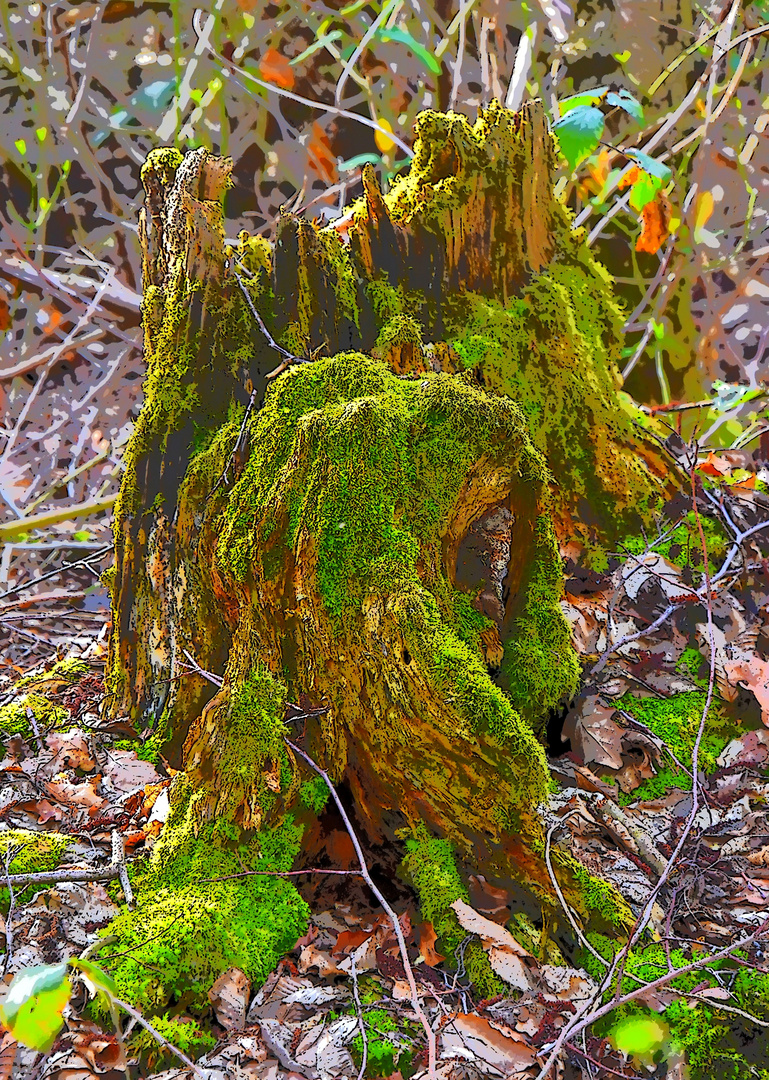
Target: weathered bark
column 381, row 538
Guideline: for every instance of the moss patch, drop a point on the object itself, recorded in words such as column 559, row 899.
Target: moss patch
column 430, row 866
column 715, row 1043
column 676, row 720
column 15, row 721
column 187, row 928
column 36, row 852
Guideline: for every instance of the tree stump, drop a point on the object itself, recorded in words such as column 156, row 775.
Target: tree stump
column 343, row 490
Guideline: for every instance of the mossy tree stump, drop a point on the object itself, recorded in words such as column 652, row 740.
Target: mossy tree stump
column 376, row 539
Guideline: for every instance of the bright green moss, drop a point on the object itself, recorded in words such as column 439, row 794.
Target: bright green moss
column 676, row 720
column 345, row 451
column 683, row 546
column 314, row 794
column 430, row 866
column 253, row 738
column 716, row 1044
column 187, row 928
column 553, row 351
column 71, row 670
column 184, row 1033
column 145, row 749
column 383, row 1055
column 36, row 852
column 162, row 164
column 399, row 330
column 600, row 898
column 540, row 666
column 15, row 721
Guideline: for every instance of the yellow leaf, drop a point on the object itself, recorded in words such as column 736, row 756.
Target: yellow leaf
column 384, row 145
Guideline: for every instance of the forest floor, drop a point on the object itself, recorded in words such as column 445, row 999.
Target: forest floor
column 675, row 677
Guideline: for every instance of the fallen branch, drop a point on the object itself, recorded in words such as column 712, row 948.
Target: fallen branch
column 116, row 869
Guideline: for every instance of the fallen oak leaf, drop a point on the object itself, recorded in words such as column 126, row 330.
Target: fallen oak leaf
column 508, row 959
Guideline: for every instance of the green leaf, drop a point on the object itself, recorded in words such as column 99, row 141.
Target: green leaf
column 650, row 164
column 21, row 146
column 644, row 190
column 32, row 1010
column 576, row 101
column 97, row 981
column 579, row 133
column 623, row 99
column 41, row 133
column 357, row 162
column 405, row 38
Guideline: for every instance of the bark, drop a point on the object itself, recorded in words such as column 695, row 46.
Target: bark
column 376, row 538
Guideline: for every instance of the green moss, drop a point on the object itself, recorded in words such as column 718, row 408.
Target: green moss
column 600, row 898
column 683, row 547
column 184, row 1033
column 145, row 749
column 36, row 852
column 70, row 670
column 345, row 451
column 553, row 350
column 539, row 664
column 314, row 794
column 399, row 330
column 188, row 928
column 15, row 721
column 383, row 1055
column 676, row 720
column 161, row 164
column 716, row 1044
column 430, row 866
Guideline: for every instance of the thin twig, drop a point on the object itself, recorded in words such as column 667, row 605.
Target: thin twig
column 161, row 1039
column 418, row 1010
column 358, row 1010
column 240, row 73
column 76, row 875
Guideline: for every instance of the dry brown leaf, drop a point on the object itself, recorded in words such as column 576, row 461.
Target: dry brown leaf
column 229, row 997
column 313, row 957
column 71, row 749
column 493, row 1047
column 81, row 795
column 97, row 1049
column 46, row 811
column 427, row 950
column 128, row 773
column 753, row 673
column 7, row 1055
column 509, row 959
column 596, row 737
column 349, row 940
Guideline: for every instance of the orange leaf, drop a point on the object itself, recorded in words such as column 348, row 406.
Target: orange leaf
column 322, row 158
column 748, row 484
column 275, row 68
column 713, row 465
column 427, row 950
column 655, row 222
column 5, row 315
column 629, row 178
